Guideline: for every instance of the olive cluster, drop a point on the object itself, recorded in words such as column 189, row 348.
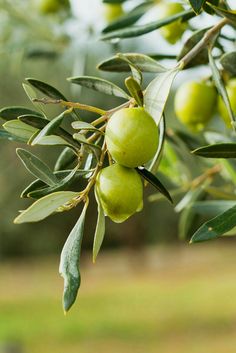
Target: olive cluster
column 196, row 102
column 132, row 140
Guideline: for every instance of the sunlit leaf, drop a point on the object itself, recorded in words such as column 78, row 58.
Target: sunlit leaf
column 100, row 228
column 19, row 129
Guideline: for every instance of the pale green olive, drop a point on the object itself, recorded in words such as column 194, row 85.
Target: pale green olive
column 120, row 191
column 112, row 11
column 231, row 90
column 131, row 137
column 195, row 104
column 173, row 31
column 52, row 6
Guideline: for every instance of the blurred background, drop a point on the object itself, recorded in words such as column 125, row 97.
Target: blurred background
column 148, row 291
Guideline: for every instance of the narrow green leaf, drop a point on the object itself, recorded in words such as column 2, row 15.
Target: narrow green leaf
column 197, row 5
column 129, row 18
column 70, row 262
column 153, row 167
column 157, row 92
column 143, row 63
column 94, row 148
column 100, row 228
column 32, row 96
column 53, row 140
column 65, row 159
column 33, row 120
column 12, row 113
column 220, row 86
column 229, row 14
column 135, row 90
column 37, row 167
column 19, row 129
column 216, row 227
column 45, row 206
column 212, row 207
column 100, row 85
column 46, row 89
column 228, row 61
column 219, row 150
column 152, row 179
column 82, row 125
column 4, row 135
column 136, row 72
column 135, row 31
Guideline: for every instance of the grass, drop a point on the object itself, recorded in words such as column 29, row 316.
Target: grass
column 180, row 300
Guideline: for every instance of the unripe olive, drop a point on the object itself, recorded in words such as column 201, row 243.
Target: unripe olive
column 112, row 11
column 120, row 191
column 172, row 32
column 52, row 6
column 195, row 104
column 231, row 90
column 131, row 137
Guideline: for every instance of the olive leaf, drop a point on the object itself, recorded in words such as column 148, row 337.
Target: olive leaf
column 229, row 14
column 37, row 167
column 70, row 262
column 100, row 85
column 197, row 5
column 228, row 61
column 19, row 129
column 219, row 150
column 32, row 96
column 135, row 90
column 65, row 159
column 12, row 113
column 100, row 228
column 4, row 135
column 45, row 206
column 212, row 207
column 153, row 167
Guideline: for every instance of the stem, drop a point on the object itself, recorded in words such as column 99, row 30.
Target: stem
column 204, row 42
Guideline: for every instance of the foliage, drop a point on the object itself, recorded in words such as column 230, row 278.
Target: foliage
column 85, row 151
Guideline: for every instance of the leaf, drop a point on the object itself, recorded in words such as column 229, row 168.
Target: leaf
column 135, row 31
column 228, row 61
column 197, row 5
column 65, row 159
column 229, row 14
column 4, row 135
column 45, row 206
column 70, row 262
column 100, row 85
column 136, row 73
column 129, row 18
column 63, row 184
column 216, row 227
column 157, row 92
column 135, row 90
column 32, row 96
column 33, row 120
column 94, row 148
column 53, row 140
column 37, row 167
column 46, row 89
column 143, row 63
column 152, row 179
column 220, row 86
column 219, row 150
column 12, row 113
column 19, row 129
column 157, row 158
column 82, row 125
column 202, row 57
column 100, row 228
column 212, row 207
column 113, row 1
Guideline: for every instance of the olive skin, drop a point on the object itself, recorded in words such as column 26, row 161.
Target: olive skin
column 52, row 6
column 231, row 90
column 131, row 137
column 195, row 104
column 120, row 191
column 172, row 32
column 112, row 12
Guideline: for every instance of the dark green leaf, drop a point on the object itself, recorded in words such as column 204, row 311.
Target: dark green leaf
column 143, row 62
column 228, row 61
column 45, row 206
column 220, row 86
column 219, row 150
column 130, row 18
column 100, row 85
column 12, row 113
column 46, row 89
column 100, row 228
column 197, row 5
column 37, row 167
column 216, row 227
column 33, row 120
column 135, row 90
column 152, row 179
column 229, row 14
column 113, row 1
column 70, row 262
column 157, row 92
column 135, row 31
column 65, row 159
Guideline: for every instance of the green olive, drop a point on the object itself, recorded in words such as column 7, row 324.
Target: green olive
column 231, row 90
column 112, row 12
column 131, row 137
column 172, row 32
column 52, row 6
column 120, row 191
column 195, row 104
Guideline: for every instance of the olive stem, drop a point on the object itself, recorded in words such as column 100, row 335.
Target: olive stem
column 204, row 42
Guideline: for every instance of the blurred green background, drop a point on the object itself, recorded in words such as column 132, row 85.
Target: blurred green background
column 147, row 292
